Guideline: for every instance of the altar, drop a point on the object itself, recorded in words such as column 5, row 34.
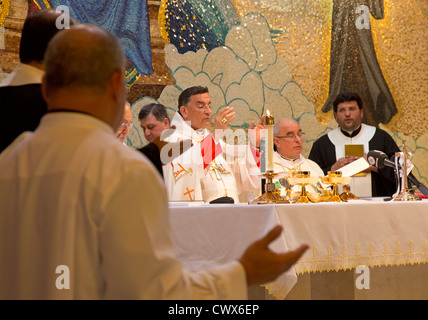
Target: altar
column 361, row 249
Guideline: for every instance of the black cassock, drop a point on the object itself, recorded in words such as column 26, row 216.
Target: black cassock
column 384, row 183
column 22, row 108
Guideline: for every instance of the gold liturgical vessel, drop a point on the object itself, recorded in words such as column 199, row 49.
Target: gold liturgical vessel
column 270, row 195
column 303, row 178
column 347, row 194
column 335, row 179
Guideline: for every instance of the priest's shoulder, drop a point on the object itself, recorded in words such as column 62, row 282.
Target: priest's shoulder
column 383, row 137
column 323, row 139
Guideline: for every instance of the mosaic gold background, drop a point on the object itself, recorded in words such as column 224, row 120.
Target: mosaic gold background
column 400, row 43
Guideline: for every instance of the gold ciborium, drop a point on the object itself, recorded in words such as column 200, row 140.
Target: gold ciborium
column 303, row 178
column 335, row 178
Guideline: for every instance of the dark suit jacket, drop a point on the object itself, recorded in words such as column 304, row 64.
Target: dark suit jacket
column 21, row 108
column 152, row 152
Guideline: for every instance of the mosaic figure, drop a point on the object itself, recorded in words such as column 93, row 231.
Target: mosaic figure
column 354, row 65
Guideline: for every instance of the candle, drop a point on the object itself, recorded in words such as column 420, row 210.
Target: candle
column 269, row 122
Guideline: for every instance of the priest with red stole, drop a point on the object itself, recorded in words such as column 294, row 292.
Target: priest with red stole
column 211, row 171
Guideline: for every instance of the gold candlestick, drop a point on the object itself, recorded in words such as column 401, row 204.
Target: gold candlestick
column 270, row 196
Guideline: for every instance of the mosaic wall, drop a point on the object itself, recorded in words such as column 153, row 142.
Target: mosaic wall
column 4, row 11
column 275, row 54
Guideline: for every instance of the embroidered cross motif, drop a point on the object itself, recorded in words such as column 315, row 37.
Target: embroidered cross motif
column 188, row 193
column 180, row 173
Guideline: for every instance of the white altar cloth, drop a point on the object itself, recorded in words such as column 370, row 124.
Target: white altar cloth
column 341, row 236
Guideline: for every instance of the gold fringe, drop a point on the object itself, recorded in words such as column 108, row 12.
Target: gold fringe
column 347, row 261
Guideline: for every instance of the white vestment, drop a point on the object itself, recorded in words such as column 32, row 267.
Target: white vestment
column 361, row 185
column 23, row 74
column 84, row 217
column 300, row 164
column 232, row 172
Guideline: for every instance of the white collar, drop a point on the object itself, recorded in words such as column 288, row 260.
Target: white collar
column 65, row 119
column 23, row 74
column 290, row 162
column 184, row 129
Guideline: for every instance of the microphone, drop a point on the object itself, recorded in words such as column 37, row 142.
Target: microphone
column 379, row 159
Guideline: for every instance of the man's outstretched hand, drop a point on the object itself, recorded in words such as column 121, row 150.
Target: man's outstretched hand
column 262, row 265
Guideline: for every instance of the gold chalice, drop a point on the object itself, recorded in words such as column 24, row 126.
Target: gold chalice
column 303, row 178
column 335, row 178
column 323, row 195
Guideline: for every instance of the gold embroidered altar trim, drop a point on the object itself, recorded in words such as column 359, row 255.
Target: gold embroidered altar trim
column 347, row 260
column 350, row 259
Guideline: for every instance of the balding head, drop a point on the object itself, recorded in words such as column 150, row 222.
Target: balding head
column 85, row 56
column 127, row 112
column 126, row 124
column 85, row 71
column 283, row 125
column 287, row 138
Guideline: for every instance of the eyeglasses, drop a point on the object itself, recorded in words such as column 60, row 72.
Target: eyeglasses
column 203, row 108
column 126, row 124
column 292, row 137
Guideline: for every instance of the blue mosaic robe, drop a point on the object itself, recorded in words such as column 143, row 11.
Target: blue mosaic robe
column 127, row 19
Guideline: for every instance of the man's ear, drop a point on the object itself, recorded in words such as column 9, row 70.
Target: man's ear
column 183, row 111
column 276, row 142
column 44, row 88
column 117, row 84
column 116, row 91
column 166, row 123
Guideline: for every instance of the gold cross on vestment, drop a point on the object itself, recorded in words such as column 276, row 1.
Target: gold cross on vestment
column 214, row 167
column 218, row 170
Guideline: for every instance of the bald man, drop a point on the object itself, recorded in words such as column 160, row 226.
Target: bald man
column 288, row 140
column 82, row 217
column 126, row 124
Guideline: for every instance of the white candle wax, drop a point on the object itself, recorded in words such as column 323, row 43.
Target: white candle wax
column 269, row 146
